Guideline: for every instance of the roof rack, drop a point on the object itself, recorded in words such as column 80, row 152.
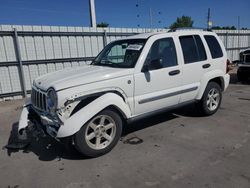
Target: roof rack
column 188, row 28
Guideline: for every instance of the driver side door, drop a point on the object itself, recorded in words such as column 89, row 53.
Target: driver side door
column 156, row 87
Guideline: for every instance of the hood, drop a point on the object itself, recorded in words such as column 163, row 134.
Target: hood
column 71, row 77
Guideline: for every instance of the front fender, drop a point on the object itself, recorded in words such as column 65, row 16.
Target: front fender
column 77, row 120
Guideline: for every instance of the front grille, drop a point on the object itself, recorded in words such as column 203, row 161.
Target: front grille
column 38, row 99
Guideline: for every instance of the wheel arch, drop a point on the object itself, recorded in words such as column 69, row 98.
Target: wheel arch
column 214, row 76
column 219, row 81
column 81, row 116
column 84, row 101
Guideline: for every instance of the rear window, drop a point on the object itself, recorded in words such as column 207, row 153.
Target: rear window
column 192, row 48
column 214, row 46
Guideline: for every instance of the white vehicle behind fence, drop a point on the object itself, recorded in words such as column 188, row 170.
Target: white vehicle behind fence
column 131, row 78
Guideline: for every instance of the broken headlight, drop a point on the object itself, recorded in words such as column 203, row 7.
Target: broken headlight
column 52, row 100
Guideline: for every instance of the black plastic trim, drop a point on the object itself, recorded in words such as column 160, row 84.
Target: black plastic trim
column 150, row 99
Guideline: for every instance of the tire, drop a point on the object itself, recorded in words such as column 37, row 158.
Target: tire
column 100, row 134
column 211, row 99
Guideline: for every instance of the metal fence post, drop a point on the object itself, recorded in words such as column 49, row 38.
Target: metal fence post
column 239, row 40
column 19, row 60
column 226, row 42
column 105, row 38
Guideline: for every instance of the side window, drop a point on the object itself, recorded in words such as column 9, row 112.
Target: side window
column 192, row 48
column 200, row 48
column 214, row 46
column 162, row 50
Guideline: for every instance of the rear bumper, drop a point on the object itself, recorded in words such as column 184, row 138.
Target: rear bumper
column 226, row 81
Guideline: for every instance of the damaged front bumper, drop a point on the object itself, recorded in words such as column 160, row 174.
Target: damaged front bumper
column 32, row 117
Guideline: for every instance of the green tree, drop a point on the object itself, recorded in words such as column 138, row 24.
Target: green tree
column 216, row 28
column 184, row 21
column 102, row 24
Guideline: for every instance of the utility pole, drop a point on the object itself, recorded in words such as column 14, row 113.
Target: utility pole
column 238, row 22
column 151, row 18
column 209, row 23
column 239, row 33
column 92, row 13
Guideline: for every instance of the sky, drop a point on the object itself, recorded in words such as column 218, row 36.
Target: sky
column 124, row 13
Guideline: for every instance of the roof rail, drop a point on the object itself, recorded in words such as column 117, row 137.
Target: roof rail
column 189, row 28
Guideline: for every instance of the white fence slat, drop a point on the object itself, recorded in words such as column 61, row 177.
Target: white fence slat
column 14, row 79
column 9, row 47
column 57, row 46
column 73, row 47
column 5, row 80
column 2, row 51
column 80, row 46
column 28, row 80
column 39, row 46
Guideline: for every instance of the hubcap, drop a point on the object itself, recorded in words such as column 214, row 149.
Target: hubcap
column 213, row 99
column 100, row 132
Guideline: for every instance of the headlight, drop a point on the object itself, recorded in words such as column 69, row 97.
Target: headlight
column 52, row 100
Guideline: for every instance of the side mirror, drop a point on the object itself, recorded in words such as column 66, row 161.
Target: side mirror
column 153, row 65
column 145, row 68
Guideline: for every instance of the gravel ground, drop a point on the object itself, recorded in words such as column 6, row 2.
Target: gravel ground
column 177, row 149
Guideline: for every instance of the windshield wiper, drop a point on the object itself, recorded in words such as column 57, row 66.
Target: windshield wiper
column 105, row 63
column 94, row 62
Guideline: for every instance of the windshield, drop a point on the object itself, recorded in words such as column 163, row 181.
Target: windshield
column 120, row 54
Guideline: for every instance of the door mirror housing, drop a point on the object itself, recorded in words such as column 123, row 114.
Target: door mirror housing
column 145, row 68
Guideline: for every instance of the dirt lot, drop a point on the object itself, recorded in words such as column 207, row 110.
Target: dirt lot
column 178, row 149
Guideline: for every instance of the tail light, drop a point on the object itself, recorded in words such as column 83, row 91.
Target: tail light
column 228, row 66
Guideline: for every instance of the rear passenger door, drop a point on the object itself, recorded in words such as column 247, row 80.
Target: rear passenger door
column 195, row 65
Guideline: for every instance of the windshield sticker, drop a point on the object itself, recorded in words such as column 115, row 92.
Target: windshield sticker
column 134, row 47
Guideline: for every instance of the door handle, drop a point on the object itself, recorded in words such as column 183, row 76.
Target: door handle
column 174, row 72
column 205, row 66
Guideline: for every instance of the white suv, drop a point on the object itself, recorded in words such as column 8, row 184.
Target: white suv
column 131, row 78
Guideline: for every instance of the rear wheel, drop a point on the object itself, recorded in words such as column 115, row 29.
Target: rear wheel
column 211, row 99
column 100, row 134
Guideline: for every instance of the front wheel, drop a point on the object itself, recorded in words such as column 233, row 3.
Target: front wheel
column 211, row 99
column 100, row 134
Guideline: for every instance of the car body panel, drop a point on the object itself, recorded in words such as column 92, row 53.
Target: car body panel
column 72, row 77
column 77, row 120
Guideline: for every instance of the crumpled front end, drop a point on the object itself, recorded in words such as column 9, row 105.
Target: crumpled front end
column 65, row 122
column 31, row 116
